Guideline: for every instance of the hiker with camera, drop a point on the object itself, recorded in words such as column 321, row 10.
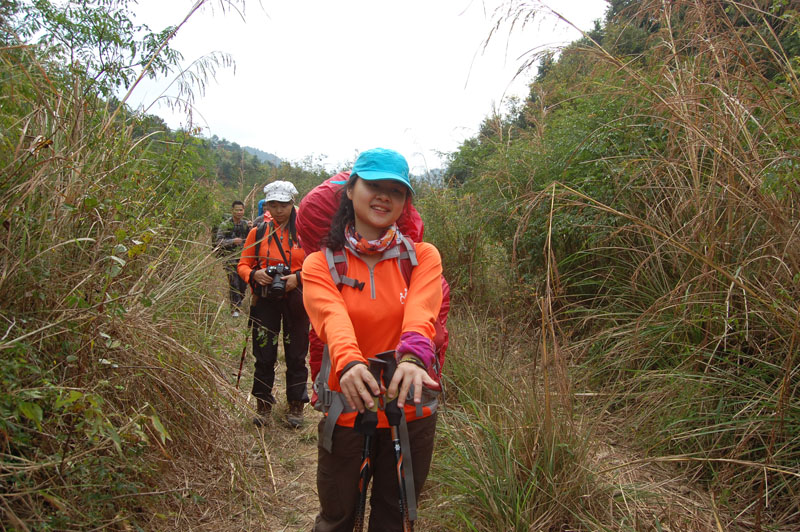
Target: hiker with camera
column 378, row 325
column 271, row 264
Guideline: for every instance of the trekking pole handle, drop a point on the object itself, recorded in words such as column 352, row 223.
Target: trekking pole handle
column 393, row 412
column 367, row 421
column 376, row 367
column 389, row 365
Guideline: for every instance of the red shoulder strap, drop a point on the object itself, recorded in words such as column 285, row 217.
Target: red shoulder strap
column 407, row 260
column 405, row 269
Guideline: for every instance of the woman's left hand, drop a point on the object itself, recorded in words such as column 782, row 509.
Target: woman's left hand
column 291, row 281
column 405, row 375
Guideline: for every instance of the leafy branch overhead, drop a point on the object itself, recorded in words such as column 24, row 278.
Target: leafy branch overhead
column 96, row 39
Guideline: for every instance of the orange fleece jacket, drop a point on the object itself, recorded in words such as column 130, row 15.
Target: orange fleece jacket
column 357, row 324
column 269, row 252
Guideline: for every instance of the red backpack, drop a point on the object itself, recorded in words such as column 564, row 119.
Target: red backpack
column 313, row 223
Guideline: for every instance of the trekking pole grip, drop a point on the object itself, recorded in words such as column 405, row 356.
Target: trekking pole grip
column 366, row 422
column 393, row 413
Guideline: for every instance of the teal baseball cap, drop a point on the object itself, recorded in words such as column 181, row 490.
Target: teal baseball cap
column 382, row 163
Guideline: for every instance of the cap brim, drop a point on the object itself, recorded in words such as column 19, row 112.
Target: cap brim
column 279, row 198
column 374, row 175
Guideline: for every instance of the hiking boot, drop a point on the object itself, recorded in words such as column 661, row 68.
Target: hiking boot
column 295, row 417
column 263, row 412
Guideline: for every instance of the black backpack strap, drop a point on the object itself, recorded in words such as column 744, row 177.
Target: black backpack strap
column 274, row 236
column 260, row 230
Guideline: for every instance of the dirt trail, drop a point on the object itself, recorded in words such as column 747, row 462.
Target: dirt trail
column 284, row 460
column 280, row 460
column 246, row 478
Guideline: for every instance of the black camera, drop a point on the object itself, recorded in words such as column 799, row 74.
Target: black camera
column 276, row 289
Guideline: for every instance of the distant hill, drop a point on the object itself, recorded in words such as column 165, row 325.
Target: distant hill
column 263, row 156
column 434, row 176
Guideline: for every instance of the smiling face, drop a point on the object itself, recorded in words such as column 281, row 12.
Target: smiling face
column 280, row 210
column 377, row 205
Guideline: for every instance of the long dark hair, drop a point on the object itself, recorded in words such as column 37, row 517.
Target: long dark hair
column 293, row 224
column 344, row 215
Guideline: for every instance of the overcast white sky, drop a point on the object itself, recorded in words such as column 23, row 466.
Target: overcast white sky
column 330, row 78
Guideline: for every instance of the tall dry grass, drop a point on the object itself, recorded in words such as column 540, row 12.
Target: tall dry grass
column 117, row 409
column 694, row 316
column 676, row 312
column 508, row 455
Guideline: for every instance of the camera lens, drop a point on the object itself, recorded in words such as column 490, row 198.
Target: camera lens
column 278, row 287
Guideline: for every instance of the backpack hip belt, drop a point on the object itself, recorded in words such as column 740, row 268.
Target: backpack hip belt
column 333, row 404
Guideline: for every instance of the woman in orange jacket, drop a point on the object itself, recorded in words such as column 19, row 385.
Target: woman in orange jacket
column 358, row 322
column 272, row 268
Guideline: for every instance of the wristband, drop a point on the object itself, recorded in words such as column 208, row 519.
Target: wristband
column 413, row 360
column 413, row 343
column 252, row 280
column 350, row 366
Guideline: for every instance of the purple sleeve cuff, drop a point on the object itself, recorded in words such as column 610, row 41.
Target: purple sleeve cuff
column 413, row 343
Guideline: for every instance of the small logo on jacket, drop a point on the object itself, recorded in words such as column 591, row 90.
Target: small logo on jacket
column 403, row 296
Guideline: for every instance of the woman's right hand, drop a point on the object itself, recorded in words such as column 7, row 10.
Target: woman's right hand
column 359, row 388
column 261, row 277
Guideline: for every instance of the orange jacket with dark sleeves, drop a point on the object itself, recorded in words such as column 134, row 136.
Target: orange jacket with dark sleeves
column 269, row 252
column 358, row 324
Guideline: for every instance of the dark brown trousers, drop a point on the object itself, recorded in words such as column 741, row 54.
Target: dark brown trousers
column 338, row 476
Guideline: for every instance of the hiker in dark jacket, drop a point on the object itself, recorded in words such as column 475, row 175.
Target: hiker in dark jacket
column 230, row 240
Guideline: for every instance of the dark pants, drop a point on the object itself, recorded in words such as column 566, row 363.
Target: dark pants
column 267, row 317
column 236, row 286
column 338, row 474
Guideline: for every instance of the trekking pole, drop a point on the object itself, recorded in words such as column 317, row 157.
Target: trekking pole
column 366, row 423
column 244, row 349
column 241, row 360
column 393, row 416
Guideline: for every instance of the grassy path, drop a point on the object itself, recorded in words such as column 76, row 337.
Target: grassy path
column 278, row 461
